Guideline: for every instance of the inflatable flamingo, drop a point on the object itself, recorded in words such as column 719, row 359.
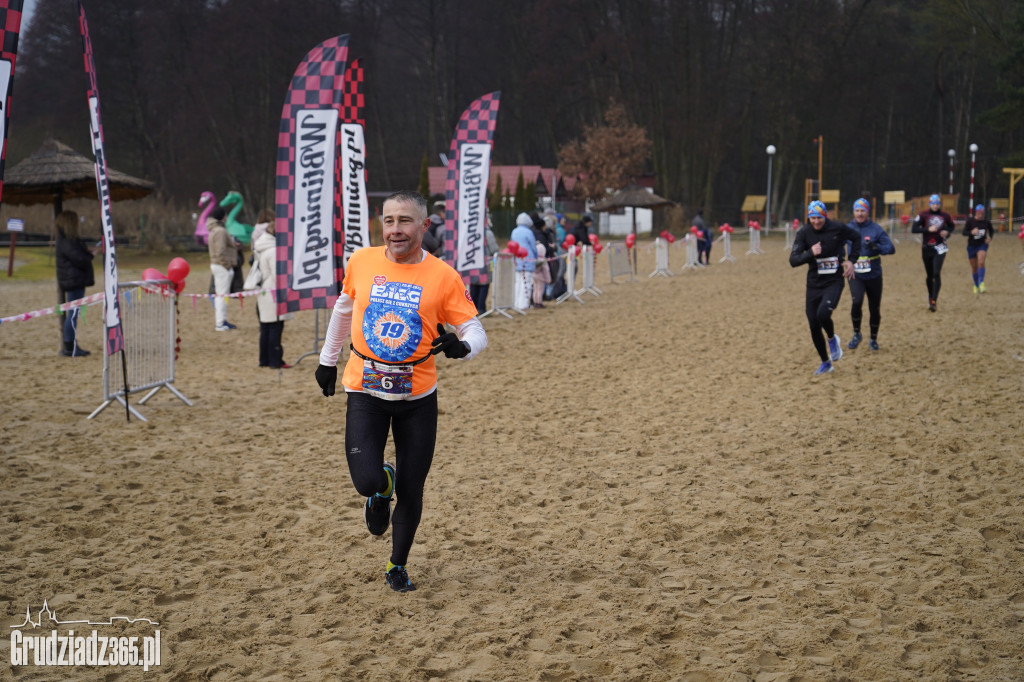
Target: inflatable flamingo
column 209, row 200
column 239, row 231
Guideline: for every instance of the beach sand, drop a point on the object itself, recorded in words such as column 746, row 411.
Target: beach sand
column 648, row 486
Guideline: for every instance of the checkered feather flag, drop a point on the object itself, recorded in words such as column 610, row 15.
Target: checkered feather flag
column 111, row 309
column 10, row 27
column 310, row 257
column 355, row 205
column 469, row 164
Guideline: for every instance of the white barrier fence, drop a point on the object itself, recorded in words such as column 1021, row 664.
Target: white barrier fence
column 618, row 261
column 589, row 258
column 660, row 259
column 503, row 286
column 148, row 323
column 726, row 239
column 570, row 279
column 755, row 242
column 691, row 252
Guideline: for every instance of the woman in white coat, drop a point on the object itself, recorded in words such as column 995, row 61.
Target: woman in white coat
column 271, row 325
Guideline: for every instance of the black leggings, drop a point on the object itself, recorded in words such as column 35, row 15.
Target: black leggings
column 820, row 304
column 873, row 288
column 933, row 271
column 414, row 425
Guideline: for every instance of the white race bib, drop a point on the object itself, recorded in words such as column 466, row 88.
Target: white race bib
column 388, row 382
column 941, row 249
column 828, row 266
column 862, row 265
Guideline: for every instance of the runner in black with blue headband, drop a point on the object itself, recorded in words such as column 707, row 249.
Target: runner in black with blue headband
column 821, row 245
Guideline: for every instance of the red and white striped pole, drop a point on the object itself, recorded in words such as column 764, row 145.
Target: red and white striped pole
column 952, row 155
column 974, row 150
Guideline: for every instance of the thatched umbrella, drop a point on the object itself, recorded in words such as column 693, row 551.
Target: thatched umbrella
column 56, row 172
column 632, row 196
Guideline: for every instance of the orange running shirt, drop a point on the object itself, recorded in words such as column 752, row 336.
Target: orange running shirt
column 396, row 309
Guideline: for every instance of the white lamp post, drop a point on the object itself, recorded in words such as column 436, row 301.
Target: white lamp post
column 770, row 149
column 952, row 155
column 974, row 150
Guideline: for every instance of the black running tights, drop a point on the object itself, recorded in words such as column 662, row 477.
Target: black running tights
column 873, row 289
column 413, row 424
column 933, row 271
column 820, row 304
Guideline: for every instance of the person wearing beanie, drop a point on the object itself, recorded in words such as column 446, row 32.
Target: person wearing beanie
column 934, row 225
column 223, row 258
column 867, row 272
column 522, row 234
column 821, row 245
column 978, row 231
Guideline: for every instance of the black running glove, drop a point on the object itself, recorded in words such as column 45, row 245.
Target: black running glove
column 326, row 377
column 448, row 342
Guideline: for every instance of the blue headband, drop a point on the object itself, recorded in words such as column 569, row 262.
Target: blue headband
column 816, row 209
column 934, row 199
column 979, row 207
column 861, row 203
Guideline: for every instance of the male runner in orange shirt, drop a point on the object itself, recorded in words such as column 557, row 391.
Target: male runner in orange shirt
column 395, row 300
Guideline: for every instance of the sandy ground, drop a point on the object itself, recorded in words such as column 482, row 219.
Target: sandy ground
column 647, row 486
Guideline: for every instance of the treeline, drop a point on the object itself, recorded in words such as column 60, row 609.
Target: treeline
column 192, row 89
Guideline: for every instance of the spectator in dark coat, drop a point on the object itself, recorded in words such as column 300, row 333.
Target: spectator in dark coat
column 74, row 274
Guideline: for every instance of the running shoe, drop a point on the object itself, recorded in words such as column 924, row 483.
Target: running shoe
column 225, row 327
column 825, row 368
column 975, row 288
column 872, row 344
column 377, row 511
column 982, row 288
column 835, row 348
column 398, row 580
column 855, row 341
column 931, row 304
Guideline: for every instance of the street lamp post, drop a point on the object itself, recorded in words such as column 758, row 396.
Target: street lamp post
column 768, row 197
column 974, row 150
column 952, row 155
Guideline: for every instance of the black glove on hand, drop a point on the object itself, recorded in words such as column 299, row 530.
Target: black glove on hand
column 326, row 377
column 448, row 342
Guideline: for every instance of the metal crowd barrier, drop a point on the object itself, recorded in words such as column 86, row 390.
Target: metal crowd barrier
column 148, row 311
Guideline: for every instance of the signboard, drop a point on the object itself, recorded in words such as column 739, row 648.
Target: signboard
column 895, row 197
column 15, row 225
column 830, row 196
column 752, row 203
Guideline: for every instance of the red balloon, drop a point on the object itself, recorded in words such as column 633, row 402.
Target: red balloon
column 177, row 269
column 796, row 223
column 179, row 286
column 598, row 248
column 630, row 240
column 700, row 233
column 578, row 249
column 593, row 238
column 513, row 248
column 905, row 219
column 671, row 238
column 570, row 239
column 693, row 229
column 150, row 274
column 523, row 252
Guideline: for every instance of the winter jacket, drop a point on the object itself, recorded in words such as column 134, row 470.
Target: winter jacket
column 74, row 264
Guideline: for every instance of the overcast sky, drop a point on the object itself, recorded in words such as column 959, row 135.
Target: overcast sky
column 26, row 13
